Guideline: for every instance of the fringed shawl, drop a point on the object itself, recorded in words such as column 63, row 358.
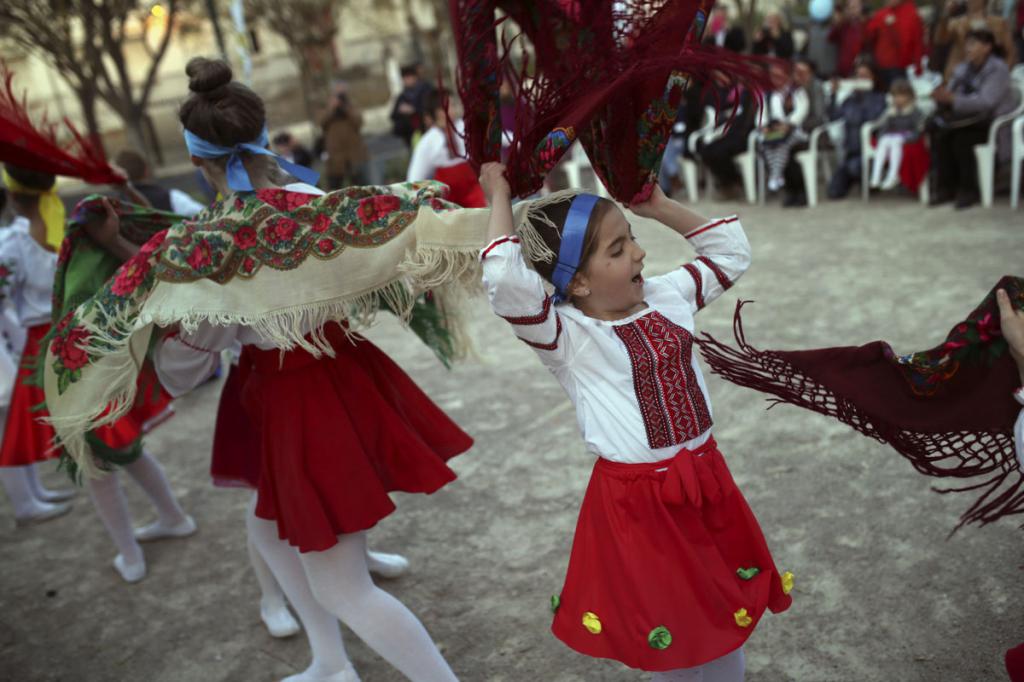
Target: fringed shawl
column 948, row 410
column 278, row 262
column 610, row 74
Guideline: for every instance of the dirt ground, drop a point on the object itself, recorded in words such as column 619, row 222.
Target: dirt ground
column 881, row 592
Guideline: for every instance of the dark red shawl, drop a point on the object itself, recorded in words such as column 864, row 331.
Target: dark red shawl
column 34, row 146
column 948, row 410
column 609, row 74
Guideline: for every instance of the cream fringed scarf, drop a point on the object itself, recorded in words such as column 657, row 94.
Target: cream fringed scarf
column 275, row 261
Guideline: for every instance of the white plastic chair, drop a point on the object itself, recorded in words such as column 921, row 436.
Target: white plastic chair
column 985, row 154
column 1016, row 160
column 576, row 160
column 688, row 165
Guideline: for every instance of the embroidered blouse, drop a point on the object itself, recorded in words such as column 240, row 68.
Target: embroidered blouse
column 636, row 385
column 26, row 274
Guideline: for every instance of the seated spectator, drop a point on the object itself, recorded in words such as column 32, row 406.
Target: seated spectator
column 285, row 144
column 805, row 78
column 962, row 16
column 718, row 154
column 865, row 103
column 140, row 179
column 787, row 108
column 689, row 118
column 902, row 125
column 773, row 39
column 848, row 35
column 978, row 92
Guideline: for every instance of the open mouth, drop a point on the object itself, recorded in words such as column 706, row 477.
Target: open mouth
column 638, row 279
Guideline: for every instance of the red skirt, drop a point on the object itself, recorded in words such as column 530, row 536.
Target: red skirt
column 336, row 435
column 464, row 188
column 235, row 461
column 28, row 440
column 661, row 574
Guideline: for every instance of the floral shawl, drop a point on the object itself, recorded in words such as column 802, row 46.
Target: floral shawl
column 276, row 261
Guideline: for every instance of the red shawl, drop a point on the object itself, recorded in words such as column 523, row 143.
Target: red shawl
column 35, row 147
column 948, row 410
column 610, row 74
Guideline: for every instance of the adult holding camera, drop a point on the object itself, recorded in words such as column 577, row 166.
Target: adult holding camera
column 346, row 152
column 978, row 91
column 960, row 18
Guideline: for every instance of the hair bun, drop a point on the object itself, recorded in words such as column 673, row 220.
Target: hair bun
column 206, row 75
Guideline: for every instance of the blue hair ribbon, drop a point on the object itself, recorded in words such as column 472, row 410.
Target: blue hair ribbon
column 570, row 251
column 237, row 176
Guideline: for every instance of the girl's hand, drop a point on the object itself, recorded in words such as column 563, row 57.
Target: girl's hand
column 653, row 207
column 494, row 182
column 1012, row 323
column 106, row 229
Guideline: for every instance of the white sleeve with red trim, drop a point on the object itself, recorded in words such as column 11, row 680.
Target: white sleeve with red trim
column 185, row 360
column 723, row 256
column 517, row 294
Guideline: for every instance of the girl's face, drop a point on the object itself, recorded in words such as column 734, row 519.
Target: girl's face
column 902, row 100
column 613, row 272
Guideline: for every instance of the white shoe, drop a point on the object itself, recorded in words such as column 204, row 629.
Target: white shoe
column 158, row 531
column 387, row 565
column 58, row 495
column 279, row 620
column 132, row 573
column 347, row 674
column 44, row 512
column 891, row 183
column 774, row 184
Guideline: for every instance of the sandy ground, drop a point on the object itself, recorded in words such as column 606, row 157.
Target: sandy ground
column 881, row 594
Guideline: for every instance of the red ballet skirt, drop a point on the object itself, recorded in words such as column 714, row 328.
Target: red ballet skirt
column 336, row 435
column 654, row 578
column 28, row 440
column 463, row 186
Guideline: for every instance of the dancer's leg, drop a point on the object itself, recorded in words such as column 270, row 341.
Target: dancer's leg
column 273, row 607
column 27, row 507
column 342, row 584
column 108, row 499
column 171, row 521
column 322, row 629
column 680, row 675
column 728, row 668
column 43, row 493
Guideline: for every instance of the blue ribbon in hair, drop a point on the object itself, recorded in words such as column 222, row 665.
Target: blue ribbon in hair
column 237, row 176
column 570, row 251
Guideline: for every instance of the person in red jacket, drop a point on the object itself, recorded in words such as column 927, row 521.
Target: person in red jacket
column 896, row 36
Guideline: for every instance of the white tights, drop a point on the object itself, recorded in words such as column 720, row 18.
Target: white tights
column 335, row 584
column 26, row 491
column 728, row 668
column 888, row 154
column 108, row 499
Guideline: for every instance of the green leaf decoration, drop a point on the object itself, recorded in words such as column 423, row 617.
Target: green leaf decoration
column 555, row 602
column 747, row 573
column 660, row 638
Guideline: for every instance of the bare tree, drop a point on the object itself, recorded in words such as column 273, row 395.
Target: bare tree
column 309, row 28
column 85, row 41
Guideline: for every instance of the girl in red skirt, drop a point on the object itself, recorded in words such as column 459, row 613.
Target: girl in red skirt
column 336, row 433
column 28, row 283
column 669, row 570
column 441, row 155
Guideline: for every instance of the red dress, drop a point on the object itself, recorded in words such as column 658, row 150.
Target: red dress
column 336, row 435
column 28, row 440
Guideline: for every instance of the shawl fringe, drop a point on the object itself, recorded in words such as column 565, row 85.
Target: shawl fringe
column 956, row 454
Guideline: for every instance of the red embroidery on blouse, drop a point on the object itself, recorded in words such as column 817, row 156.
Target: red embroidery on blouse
column 177, row 337
column 546, row 346
column 503, row 240
column 711, row 226
column 698, row 282
column 670, row 399
column 540, row 318
column 720, row 275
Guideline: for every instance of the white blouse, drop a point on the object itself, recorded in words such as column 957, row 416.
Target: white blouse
column 432, row 152
column 26, row 274
column 636, row 385
column 1018, row 429
column 187, row 359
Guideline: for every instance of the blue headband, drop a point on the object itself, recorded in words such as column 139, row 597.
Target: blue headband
column 238, row 177
column 571, row 249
